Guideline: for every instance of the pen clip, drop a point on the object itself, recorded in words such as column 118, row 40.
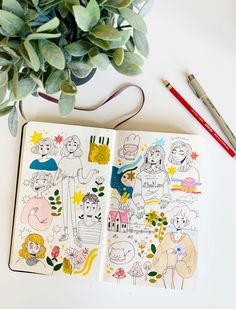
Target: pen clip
column 194, row 91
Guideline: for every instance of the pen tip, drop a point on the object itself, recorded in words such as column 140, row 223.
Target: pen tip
column 165, row 82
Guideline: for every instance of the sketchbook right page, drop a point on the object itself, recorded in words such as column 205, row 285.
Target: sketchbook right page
column 152, row 222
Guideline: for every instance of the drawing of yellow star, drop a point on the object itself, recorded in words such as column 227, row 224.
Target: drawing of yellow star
column 131, row 175
column 171, row 170
column 35, row 138
column 77, row 197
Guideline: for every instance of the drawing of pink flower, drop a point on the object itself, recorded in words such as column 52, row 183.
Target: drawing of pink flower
column 72, row 254
column 55, row 252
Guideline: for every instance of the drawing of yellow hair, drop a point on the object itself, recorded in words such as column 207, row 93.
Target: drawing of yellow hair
column 37, row 239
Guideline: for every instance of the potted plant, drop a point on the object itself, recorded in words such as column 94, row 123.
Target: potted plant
column 50, row 44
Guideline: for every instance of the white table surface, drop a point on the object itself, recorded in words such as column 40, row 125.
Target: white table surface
column 197, row 36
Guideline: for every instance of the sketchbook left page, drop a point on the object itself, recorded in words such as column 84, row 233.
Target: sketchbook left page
column 61, row 199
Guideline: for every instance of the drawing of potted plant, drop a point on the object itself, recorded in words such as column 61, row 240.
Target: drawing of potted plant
column 119, row 274
column 135, row 272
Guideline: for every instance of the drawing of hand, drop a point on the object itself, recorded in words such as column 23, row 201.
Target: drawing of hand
column 33, row 211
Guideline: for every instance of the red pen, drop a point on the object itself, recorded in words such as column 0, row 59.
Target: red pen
column 195, row 114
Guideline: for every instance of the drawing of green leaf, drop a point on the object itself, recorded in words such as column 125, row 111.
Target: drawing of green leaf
column 58, row 203
column 101, row 194
column 54, row 207
column 53, row 214
column 165, row 223
column 52, row 203
column 158, row 276
column 152, row 281
column 56, row 192
column 160, row 219
column 152, row 273
column 150, row 256
column 94, row 189
column 59, row 209
column 58, row 198
column 153, row 248
column 49, row 261
column 57, row 267
column 101, row 188
column 51, row 198
column 154, row 223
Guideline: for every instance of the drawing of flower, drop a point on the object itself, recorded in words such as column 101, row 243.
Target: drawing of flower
column 71, row 254
column 100, row 180
column 119, row 274
column 55, row 252
column 152, row 216
column 180, row 249
column 142, row 244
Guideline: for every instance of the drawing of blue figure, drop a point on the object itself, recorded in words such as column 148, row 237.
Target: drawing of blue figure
column 45, row 147
column 122, row 179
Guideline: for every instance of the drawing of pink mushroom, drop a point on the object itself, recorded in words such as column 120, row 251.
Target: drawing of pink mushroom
column 147, row 267
column 135, row 271
column 119, row 274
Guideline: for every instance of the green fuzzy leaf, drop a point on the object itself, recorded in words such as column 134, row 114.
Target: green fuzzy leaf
column 153, row 248
column 68, row 87
column 66, row 104
column 78, row 49
column 130, row 44
column 52, row 54
column 98, row 42
column 14, row 7
column 41, row 36
column 82, row 17
column 118, row 3
column 25, row 87
column 15, row 81
column 63, row 10
column 134, row 20
column 34, row 59
column 123, row 40
column 3, row 91
column 106, row 32
column 130, row 65
column 6, row 110
column 150, row 256
column 53, row 82
column 49, row 261
column 152, row 273
column 13, row 24
column 30, row 15
column 118, row 56
column 57, row 267
column 94, row 11
column 35, row 2
column 13, row 121
column 141, row 43
column 101, row 61
column 146, row 8
column 50, row 25
column 3, row 78
column 79, row 69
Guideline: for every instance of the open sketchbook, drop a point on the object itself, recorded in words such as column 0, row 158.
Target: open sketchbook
column 117, row 206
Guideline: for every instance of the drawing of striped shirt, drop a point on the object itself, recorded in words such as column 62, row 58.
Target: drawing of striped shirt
column 89, row 234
